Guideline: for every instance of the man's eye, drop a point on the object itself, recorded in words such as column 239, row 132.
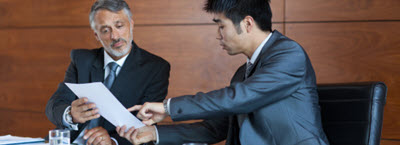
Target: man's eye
column 120, row 26
column 104, row 31
column 221, row 27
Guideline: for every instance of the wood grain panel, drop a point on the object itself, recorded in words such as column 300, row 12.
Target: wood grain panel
column 330, row 10
column 356, row 52
column 31, row 13
column 277, row 7
column 390, row 142
column 36, row 60
column 197, row 61
column 21, row 123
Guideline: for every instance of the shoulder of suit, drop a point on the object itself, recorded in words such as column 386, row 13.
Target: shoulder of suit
column 284, row 42
column 150, row 57
column 84, row 54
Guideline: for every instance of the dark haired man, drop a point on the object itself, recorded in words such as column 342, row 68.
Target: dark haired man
column 272, row 99
column 132, row 74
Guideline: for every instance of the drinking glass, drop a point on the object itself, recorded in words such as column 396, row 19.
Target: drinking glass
column 59, row 137
column 194, row 143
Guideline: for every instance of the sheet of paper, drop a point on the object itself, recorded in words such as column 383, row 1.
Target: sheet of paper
column 9, row 139
column 37, row 143
column 109, row 107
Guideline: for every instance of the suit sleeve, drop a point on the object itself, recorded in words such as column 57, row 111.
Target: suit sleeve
column 278, row 76
column 207, row 131
column 158, row 87
column 62, row 98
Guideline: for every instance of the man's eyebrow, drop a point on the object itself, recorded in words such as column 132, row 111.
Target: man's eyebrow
column 216, row 20
column 104, row 26
column 118, row 22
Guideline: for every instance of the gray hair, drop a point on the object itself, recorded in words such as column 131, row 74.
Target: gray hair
column 111, row 5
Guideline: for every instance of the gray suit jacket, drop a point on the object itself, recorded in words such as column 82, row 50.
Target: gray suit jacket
column 279, row 98
column 143, row 78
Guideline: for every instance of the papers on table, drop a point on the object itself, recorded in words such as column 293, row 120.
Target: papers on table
column 9, row 139
column 109, row 107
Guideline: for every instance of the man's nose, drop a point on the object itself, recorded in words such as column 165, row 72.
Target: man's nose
column 219, row 36
column 114, row 35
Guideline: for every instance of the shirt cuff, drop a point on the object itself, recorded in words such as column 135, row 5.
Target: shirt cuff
column 169, row 111
column 157, row 141
column 65, row 122
column 114, row 140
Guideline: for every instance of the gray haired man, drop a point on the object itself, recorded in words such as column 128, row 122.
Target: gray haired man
column 132, row 74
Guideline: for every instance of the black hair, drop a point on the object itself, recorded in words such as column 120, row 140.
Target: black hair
column 237, row 10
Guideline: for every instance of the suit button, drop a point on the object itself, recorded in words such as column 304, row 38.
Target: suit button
column 179, row 111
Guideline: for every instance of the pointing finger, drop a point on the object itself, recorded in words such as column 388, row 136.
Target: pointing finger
column 135, row 108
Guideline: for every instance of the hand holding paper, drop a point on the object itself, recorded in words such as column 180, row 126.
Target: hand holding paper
column 108, row 106
column 150, row 113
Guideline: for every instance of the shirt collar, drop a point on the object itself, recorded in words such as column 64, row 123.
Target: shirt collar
column 108, row 59
column 258, row 50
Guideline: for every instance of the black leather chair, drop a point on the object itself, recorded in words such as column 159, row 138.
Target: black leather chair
column 352, row 113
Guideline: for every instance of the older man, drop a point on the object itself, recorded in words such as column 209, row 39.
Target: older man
column 132, row 74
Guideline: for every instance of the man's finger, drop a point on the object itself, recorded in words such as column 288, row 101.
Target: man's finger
column 118, row 130
column 90, row 113
column 95, row 136
column 122, row 131
column 91, row 117
column 90, row 132
column 148, row 122
column 145, row 114
column 86, row 107
column 98, row 140
column 80, row 101
column 135, row 108
column 128, row 134
column 134, row 137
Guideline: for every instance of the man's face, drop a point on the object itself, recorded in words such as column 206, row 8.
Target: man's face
column 229, row 39
column 114, row 31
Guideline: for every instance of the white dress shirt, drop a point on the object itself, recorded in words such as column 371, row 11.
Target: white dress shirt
column 107, row 59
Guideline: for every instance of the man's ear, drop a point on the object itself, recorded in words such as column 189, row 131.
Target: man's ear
column 132, row 23
column 96, row 36
column 249, row 23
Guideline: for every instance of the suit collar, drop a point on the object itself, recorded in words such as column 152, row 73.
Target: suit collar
column 108, row 59
column 274, row 36
column 258, row 50
column 134, row 58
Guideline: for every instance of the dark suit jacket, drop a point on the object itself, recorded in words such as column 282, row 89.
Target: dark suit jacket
column 279, row 97
column 142, row 78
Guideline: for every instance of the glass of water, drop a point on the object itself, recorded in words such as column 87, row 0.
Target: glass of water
column 59, row 137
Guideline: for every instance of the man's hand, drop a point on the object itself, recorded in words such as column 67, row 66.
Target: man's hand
column 150, row 113
column 138, row 136
column 98, row 136
column 82, row 111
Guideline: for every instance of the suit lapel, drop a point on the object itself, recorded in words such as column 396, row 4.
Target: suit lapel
column 131, row 64
column 97, row 71
column 234, row 130
column 275, row 35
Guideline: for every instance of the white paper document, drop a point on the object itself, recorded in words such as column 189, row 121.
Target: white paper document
column 9, row 139
column 109, row 107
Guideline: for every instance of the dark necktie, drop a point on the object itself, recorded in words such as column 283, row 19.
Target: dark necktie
column 112, row 75
column 241, row 117
column 248, row 69
column 108, row 83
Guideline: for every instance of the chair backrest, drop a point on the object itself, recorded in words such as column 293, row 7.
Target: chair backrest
column 352, row 113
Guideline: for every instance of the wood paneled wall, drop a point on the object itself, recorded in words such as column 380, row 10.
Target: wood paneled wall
column 347, row 41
